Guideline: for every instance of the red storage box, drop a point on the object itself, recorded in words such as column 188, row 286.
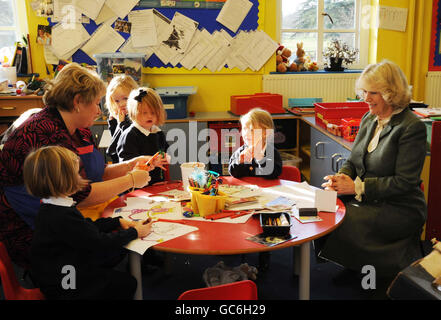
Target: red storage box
column 271, row 102
column 324, row 112
column 230, row 141
column 350, row 128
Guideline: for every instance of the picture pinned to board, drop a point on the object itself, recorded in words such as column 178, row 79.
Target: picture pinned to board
column 44, row 34
column 123, row 26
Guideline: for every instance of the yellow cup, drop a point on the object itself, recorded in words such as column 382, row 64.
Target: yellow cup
column 205, row 205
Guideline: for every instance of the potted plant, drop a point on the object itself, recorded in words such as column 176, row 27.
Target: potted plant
column 339, row 52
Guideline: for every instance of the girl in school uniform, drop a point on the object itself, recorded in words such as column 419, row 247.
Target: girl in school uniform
column 68, row 250
column 144, row 136
column 258, row 156
column 117, row 95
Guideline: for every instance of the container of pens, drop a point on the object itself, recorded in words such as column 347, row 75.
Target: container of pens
column 206, row 198
column 275, row 224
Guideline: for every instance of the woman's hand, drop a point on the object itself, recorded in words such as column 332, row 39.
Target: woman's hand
column 329, row 184
column 341, row 183
column 140, row 178
column 138, row 162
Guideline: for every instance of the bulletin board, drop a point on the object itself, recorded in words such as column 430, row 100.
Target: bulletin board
column 205, row 14
column 435, row 45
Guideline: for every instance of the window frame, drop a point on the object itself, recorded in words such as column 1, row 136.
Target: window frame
column 361, row 31
column 20, row 18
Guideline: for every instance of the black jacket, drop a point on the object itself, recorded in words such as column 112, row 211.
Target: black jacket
column 270, row 167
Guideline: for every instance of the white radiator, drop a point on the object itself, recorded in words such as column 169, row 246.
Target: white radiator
column 433, row 89
column 331, row 87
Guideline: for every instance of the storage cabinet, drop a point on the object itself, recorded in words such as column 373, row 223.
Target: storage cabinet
column 327, row 156
column 14, row 106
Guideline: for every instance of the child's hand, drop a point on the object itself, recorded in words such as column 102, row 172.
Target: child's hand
column 126, row 224
column 246, row 156
column 143, row 229
column 162, row 161
column 121, row 116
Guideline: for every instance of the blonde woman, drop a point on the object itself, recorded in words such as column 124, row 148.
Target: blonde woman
column 72, row 103
column 63, row 237
column 117, row 95
column 385, row 207
column 258, row 156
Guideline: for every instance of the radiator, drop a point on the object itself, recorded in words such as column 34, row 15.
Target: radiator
column 331, row 87
column 432, row 95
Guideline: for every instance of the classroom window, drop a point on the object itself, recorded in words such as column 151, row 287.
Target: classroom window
column 12, row 24
column 317, row 22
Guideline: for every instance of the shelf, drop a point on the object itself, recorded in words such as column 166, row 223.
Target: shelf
column 306, row 150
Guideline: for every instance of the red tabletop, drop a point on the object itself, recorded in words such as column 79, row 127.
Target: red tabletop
column 217, row 238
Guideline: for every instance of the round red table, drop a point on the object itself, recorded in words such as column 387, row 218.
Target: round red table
column 216, row 238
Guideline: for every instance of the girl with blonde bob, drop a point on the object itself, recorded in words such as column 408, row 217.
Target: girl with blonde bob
column 258, row 156
column 144, row 136
column 385, row 206
column 117, row 95
column 63, row 237
column 72, row 104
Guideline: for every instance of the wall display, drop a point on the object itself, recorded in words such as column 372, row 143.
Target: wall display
column 435, row 43
column 170, row 33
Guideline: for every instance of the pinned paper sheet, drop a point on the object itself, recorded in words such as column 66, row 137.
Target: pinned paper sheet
column 233, row 13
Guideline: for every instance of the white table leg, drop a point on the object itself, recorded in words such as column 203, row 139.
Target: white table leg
column 305, row 265
column 296, row 259
column 135, row 270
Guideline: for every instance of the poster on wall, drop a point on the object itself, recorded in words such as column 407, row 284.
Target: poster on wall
column 435, row 39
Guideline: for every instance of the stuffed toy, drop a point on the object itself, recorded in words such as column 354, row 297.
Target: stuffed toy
column 300, row 60
column 282, row 58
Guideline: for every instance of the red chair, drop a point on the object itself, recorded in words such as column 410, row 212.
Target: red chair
column 240, row 290
column 11, row 288
column 290, row 173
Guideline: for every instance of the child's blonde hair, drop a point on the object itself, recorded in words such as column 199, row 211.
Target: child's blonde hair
column 147, row 97
column 257, row 118
column 120, row 82
column 52, row 172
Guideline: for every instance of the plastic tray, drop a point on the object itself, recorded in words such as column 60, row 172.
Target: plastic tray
column 324, row 112
column 270, row 230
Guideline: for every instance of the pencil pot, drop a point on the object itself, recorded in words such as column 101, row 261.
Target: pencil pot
column 205, row 205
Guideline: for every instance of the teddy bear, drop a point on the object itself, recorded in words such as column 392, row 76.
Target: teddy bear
column 282, row 59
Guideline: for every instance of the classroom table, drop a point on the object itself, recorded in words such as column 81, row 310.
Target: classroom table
column 216, row 238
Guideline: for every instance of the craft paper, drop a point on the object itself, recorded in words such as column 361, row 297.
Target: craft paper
column 233, row 13
column 143, row 28
column 105, row 39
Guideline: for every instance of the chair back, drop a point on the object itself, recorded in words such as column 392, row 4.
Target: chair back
column 11, row 288
column 240, row 290
column 291, row 173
